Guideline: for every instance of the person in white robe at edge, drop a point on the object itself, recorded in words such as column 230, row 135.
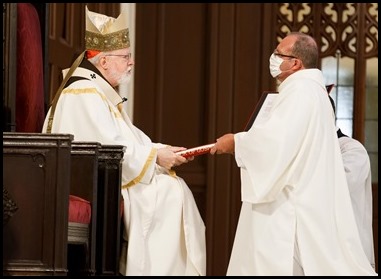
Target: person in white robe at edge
column 359, row 178
column 296, row 216
column 164, row 233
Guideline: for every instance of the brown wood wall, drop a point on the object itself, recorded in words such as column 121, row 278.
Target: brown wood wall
column 190, row 58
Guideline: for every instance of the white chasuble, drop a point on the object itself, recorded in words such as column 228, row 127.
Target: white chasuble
column 164, row 232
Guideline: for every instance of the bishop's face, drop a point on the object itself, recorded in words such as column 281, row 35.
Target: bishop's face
column 120, row 64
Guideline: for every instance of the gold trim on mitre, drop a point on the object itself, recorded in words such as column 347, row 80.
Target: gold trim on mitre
column 104, row 33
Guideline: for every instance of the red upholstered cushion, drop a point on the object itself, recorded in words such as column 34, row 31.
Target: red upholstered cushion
column 30, row 110
column 79, row 210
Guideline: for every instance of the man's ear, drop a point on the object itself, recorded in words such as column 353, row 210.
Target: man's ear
column 298, row 64
column 103, row 62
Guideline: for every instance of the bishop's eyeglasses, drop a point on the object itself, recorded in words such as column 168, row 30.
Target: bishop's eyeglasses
column 125, row 56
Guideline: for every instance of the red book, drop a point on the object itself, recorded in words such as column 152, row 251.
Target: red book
column 195, row 151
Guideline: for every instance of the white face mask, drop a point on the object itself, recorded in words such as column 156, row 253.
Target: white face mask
column 275, row 62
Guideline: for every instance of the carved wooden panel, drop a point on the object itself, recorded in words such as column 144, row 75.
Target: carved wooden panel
column 351, row 28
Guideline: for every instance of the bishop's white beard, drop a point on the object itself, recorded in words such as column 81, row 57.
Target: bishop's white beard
column 125, row 77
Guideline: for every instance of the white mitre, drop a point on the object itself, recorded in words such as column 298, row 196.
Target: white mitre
column 104, row 33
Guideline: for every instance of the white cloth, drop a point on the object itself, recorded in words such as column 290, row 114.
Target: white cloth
column 294, row 187
column 358, row 172
column 164, row 230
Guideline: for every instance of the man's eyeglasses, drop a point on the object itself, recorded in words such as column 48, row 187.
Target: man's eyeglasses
column 284, row 55
column 125, row 56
